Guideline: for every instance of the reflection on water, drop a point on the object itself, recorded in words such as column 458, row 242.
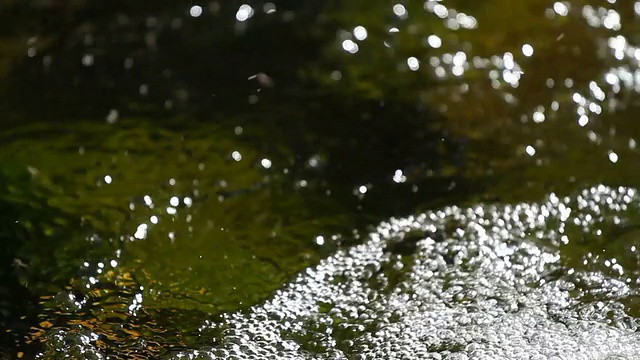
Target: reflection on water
column 483, row 282
column 166, row 170
column 475, row 291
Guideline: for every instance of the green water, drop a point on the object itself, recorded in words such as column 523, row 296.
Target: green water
column 202, row 162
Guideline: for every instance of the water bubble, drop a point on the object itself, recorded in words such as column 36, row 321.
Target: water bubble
column 479, row 311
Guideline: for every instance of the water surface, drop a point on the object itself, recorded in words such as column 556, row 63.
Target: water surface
column 319, row 180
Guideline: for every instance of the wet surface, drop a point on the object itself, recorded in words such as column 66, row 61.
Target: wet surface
column 489, row 301
column 319, row 180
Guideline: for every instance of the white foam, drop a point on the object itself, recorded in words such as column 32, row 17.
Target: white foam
column 481, row 287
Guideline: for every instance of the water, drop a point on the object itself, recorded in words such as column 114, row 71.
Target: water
column 484, row 282
column 314, row 180
column 476, row 291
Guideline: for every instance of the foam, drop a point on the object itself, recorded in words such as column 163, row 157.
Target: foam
column 479, row 285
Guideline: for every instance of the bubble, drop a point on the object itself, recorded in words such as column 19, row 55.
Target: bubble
column 482, row 282
column 484, row 313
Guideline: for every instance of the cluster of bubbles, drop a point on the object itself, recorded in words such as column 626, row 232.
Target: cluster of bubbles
column 458, row 283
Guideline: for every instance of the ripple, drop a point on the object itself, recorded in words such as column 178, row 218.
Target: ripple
column 476, row 287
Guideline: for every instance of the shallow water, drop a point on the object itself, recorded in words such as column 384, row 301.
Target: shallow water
column 484, row 282
column 476, row 287
column 319, row 180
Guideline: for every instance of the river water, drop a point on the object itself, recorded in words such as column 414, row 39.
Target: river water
column 319, row 180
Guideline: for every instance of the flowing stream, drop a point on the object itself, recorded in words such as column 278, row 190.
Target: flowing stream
column 485, row 282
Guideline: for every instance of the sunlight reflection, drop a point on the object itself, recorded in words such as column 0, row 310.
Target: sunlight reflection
column 244, row 13
column 141, row 232
column 360, row 32
column 136, row 304
column 612, row 20
column 400, row 10
column 148, row 201
column 87, row 60
column 195, row 11
column 561, row 8
column 434, row 41
column 350, row 46
column 188, row 202
column 538, row 116
column 613, row 157
column 269, row 8
column 530, row 150
column 113, row 116
column 174, row 201
column 583, row 120
column 399, row 177
column 441, row 11
column 413, row 63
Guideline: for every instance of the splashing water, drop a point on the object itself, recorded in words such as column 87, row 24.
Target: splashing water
column 476, row 289
column 484, row 282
